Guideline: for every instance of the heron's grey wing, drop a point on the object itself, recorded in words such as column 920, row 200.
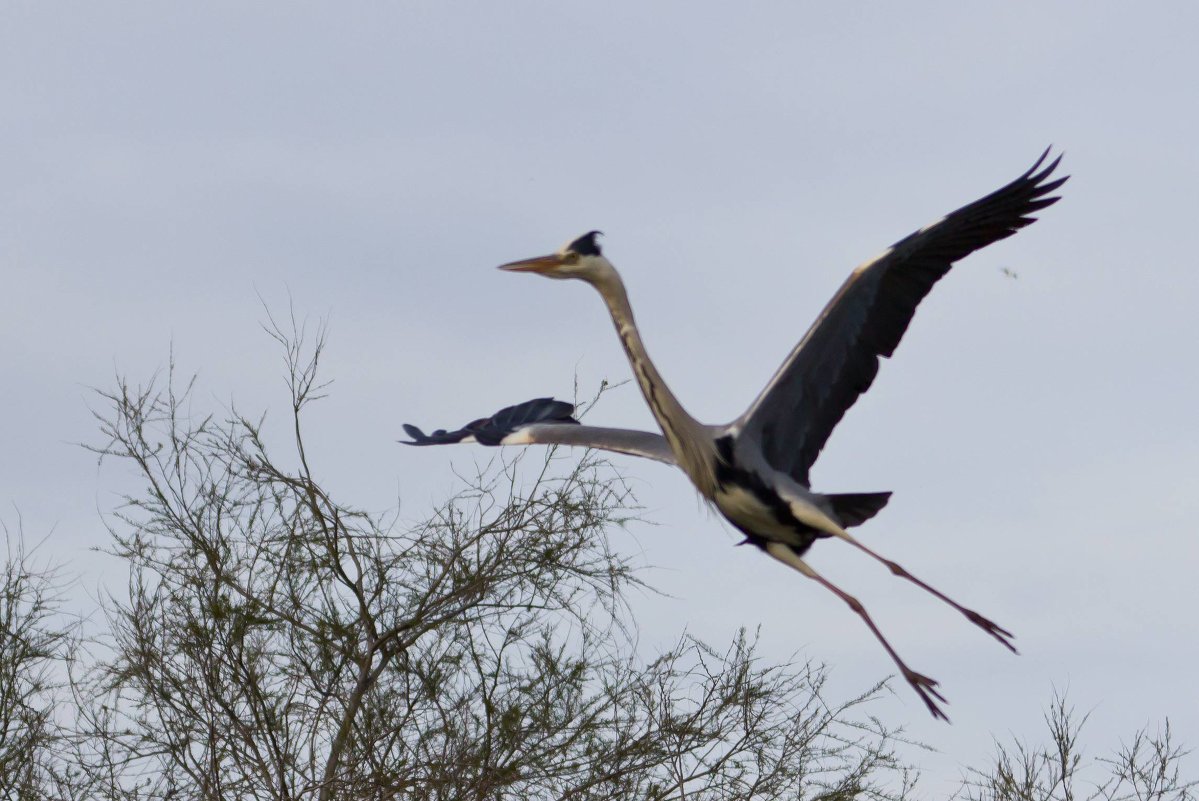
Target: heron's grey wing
column 545, row 421
column 617, row 440
column 837, row 359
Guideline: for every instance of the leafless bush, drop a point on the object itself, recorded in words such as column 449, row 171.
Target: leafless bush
column 1146, row 768
column 35, row 644
column 276, row 643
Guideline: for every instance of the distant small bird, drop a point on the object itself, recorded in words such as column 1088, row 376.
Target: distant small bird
column 755, row 469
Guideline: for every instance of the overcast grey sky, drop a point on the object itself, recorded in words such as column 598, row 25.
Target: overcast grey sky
column 160, row 164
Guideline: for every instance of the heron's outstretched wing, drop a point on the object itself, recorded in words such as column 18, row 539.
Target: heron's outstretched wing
column 837, row 359
column 545, row 421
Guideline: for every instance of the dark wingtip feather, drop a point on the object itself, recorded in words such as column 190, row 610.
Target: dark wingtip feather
column 1037, row 178
column 438, row 437
column 1040, row 160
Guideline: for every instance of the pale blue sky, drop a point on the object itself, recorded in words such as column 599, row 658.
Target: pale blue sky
column 162, row 164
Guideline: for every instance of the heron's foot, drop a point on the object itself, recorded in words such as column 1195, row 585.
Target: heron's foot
column 926, row 688
column 998, row 632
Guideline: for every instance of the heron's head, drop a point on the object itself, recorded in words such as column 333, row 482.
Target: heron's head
column 580, row 258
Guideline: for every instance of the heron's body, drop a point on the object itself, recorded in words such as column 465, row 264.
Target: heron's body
column 774, row 509
column 755, row 469
column 763, row 503
column 768, row 506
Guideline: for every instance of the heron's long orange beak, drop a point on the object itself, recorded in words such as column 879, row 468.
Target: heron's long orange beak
column 540, row 264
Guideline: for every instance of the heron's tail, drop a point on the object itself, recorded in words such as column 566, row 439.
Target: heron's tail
column 855, row 508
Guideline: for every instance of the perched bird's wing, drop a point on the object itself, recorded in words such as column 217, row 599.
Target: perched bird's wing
column 545, row 421
column 837, row 359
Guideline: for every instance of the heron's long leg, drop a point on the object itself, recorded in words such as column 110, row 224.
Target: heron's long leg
column 998, row 632
column 924, row 686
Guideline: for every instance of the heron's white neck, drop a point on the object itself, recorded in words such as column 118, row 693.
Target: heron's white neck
column 688, row 438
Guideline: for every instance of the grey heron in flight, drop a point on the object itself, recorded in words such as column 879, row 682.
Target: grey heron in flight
column 755, row 469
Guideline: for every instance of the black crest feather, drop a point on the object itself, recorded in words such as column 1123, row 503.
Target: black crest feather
column 586, row 244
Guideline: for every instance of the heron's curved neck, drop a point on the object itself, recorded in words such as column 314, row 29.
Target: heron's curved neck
column 688, row 439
